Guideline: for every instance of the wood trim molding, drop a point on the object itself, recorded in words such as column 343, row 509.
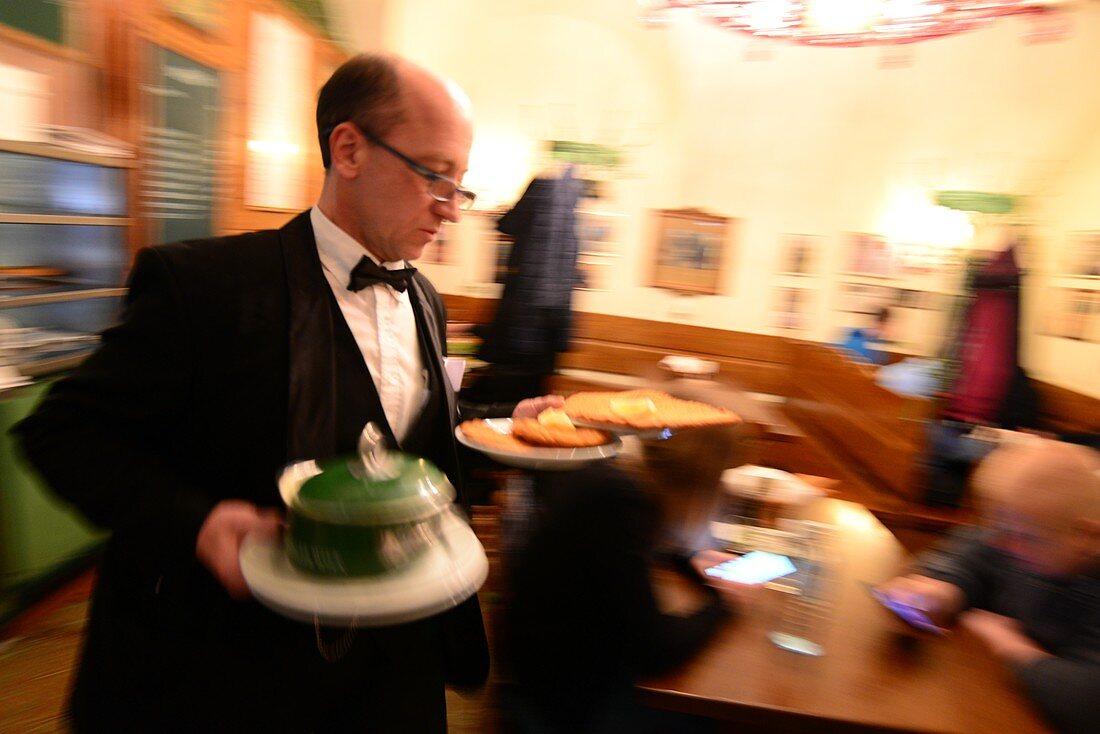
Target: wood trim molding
column 41, row 45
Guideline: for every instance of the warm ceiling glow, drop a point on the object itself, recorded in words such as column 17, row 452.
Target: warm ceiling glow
column 911, row 219
column 850, row 22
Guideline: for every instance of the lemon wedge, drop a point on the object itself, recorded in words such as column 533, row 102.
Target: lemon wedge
column 633, row 408
column 555, row 418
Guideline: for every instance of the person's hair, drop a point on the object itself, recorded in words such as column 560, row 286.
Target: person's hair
column 691, row 461
column 694, row 456
column 1048, row 480
column 365, row 89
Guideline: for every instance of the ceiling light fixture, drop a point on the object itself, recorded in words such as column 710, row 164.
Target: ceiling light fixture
column 852, row 22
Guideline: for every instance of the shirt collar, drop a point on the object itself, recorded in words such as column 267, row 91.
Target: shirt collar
column 339, row 252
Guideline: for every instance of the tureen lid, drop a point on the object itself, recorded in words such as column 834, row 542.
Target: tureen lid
column 374, row 487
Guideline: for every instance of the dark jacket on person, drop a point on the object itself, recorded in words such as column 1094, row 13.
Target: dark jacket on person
column 1061, row 616
column 582, row 623
column 232, row 360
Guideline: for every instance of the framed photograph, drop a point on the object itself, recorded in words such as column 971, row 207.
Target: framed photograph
column 690, row 251
column 1074, row 314
column 1084, row 255
column 597, row 231
column 870, row 254
column 791, row 308
column 799, row 253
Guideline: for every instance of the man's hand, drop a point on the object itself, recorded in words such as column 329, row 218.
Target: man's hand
column 220, row 536
column 531, row 407
column 940, row 600
column 1003, row 635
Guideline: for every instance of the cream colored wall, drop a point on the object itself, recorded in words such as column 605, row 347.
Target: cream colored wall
column 1071, row 207
column 787, row 139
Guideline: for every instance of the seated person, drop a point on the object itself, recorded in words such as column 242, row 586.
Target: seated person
column 863, row 344
column 1028, row 583
column 582, row 622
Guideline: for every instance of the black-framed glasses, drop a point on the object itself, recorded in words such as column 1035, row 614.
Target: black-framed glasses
column 440, row 187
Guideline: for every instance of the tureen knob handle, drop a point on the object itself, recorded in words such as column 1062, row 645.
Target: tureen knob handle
column 372, row 451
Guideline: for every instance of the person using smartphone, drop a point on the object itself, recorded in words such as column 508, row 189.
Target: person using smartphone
column 582, row 617
column 1027, row 583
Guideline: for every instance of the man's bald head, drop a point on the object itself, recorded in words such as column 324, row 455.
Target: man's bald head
column 376, row 91
column 1053, row 482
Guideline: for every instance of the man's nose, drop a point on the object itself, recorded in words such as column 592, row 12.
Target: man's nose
column 448, row 209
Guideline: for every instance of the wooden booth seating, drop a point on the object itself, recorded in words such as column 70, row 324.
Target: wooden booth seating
column 1064, row 411
column 875, row 429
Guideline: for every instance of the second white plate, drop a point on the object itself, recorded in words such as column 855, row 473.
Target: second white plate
column 543, row 459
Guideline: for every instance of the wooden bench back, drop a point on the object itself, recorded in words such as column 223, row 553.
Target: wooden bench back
column 881, row 431
column 1065, row 411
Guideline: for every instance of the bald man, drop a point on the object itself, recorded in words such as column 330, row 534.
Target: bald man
column 1028, row 582
column 234, row 357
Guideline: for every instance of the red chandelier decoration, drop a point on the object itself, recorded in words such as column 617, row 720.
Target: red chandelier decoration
column 854, row 22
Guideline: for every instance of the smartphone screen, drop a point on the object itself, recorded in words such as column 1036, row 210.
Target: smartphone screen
column 753, row 568
column 910, row 615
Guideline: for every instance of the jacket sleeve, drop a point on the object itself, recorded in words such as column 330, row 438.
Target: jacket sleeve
column 98, row 437
column 1067, row 687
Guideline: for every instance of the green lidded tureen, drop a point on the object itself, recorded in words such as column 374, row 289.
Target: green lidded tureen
column 364, row 515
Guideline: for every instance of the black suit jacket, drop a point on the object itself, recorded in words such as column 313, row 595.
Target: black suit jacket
column 220, row 373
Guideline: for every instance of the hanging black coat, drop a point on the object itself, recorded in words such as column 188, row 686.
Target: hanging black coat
column 533, row 318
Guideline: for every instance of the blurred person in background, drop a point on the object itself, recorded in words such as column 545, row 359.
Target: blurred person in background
column 236, row 356
column 1027, row 583
column 864, row 343
column 582, row 618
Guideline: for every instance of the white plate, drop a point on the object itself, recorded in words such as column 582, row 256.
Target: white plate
column 545, row 459
column 436, row 582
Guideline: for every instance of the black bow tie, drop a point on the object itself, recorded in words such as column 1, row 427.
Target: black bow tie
column 368, row 272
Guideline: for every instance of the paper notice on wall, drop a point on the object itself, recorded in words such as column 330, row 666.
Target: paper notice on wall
column 25, row 100
column 280, row 105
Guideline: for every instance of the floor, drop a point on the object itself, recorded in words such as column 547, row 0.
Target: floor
column 38, row 655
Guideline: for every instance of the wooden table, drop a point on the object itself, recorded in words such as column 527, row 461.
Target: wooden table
column 872, row 677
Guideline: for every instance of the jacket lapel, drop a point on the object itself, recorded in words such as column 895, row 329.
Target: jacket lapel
column 311, row 400
column 430, row 323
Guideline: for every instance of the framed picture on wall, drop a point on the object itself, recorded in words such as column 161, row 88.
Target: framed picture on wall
column 799, row 254
column 791, row 308
column 690, row 251
column 1083, row 258
column 597, row 231
column 870, row 254
column 1074, row 313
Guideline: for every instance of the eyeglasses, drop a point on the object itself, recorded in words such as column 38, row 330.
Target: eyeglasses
column 440, row 187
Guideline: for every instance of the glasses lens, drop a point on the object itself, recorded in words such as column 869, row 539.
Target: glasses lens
column 443, row 190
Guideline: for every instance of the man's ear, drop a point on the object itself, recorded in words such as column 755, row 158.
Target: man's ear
column 345, row 151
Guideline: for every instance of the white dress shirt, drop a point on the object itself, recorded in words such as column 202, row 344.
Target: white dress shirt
column 382, row 322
